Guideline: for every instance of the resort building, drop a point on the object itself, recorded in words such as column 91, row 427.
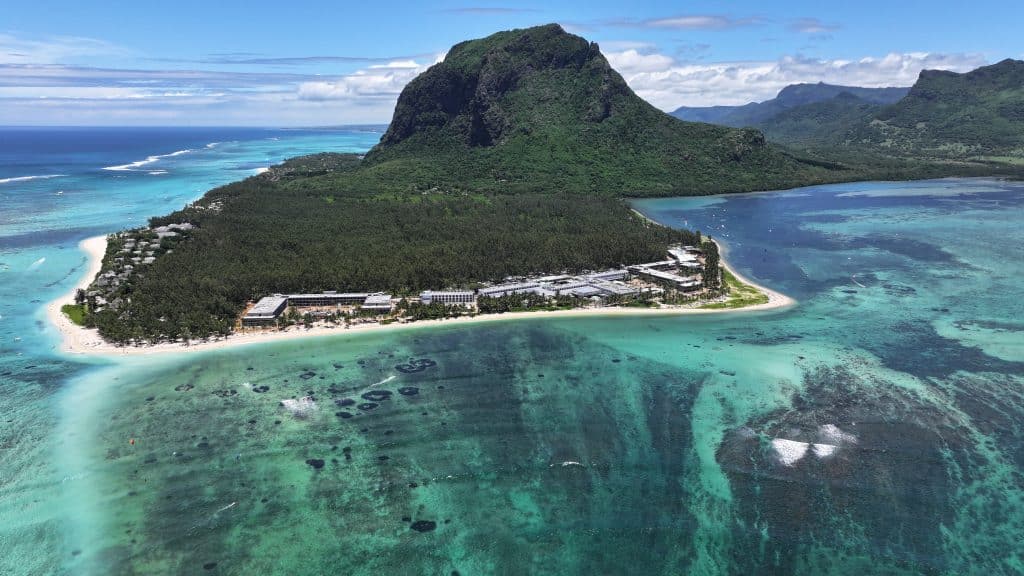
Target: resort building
column 609, row 275
column 377, row 302
column 508, row 289
column 685, row 259
column 265, row 311
column 455, row 297
column 585, row 292
column 679, row 282
column 616, row 288
column 329, row 298
column 679, row 272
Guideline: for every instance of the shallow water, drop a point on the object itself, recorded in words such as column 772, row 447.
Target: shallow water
column 41, row 222
column 873, row 429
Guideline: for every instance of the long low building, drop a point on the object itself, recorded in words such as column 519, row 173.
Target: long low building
column 265, row 311
column 328, row 299
column 609, row 275
column 681, row 282
column 448, row 297
column 508, row 289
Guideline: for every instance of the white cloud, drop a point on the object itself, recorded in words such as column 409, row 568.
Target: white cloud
column 812, row 26
column 637, row 62
column 53, row 50
column 669, row 84
column 379, row 81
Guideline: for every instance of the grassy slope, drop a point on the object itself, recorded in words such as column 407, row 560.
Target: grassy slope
column 75, row 312
column 740, row 295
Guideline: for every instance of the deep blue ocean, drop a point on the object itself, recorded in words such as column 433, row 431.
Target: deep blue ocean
column 874, row 428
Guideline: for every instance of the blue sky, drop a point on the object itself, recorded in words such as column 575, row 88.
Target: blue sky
column 305, row 63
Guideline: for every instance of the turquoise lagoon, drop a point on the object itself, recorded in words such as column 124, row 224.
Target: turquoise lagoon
column 875, row 428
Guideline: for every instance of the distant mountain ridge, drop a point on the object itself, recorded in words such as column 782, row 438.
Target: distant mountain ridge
column 945, row 115
column 754, row 113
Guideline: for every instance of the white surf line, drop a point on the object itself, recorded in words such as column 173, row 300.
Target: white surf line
column 226, row 507
column 28, row 178
column 854, row 278
column 149, row 160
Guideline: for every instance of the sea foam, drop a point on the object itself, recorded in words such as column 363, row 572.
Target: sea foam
column 149, row 160
column 27, row 178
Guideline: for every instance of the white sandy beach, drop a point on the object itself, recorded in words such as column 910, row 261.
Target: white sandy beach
column 78, row 340
column 74, row 338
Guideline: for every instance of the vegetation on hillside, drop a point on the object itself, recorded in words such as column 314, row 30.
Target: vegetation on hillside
column 756, row 114
column 948, row 124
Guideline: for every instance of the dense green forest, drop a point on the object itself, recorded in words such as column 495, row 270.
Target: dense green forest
column 365, row 243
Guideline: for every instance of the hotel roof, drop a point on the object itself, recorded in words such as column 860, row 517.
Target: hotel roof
column 267, row 306
column 377, row 299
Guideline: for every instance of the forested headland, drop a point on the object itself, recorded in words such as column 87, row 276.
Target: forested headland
column 510, row 157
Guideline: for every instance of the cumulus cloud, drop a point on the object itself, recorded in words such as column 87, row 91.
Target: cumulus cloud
column 639, row 63
column 669, row 84
column 383, row 81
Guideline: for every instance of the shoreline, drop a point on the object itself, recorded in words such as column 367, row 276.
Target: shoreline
column 78, row 340
column 75, row 338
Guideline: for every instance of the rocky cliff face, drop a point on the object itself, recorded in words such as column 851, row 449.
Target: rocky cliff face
column 469, row 93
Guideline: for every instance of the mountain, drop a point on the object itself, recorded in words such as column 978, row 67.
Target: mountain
column 540, row 108
column 946, row 116
column 755, row 113
column 510, row 157
column 976, row 114
column 819, row 123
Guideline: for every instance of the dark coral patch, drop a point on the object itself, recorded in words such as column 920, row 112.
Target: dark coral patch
column 416, row 365
column 367, row 406
column 209, row 566
column 316, row 463
column 408, row 391
column 345, row 402
column 343, row 414
column 261, row 389
column 424, row 525
column 377, row 395
column 183, row 387
column 307, row 375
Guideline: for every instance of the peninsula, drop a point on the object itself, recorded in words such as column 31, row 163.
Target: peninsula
column 509, row 159
column 734, row 293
